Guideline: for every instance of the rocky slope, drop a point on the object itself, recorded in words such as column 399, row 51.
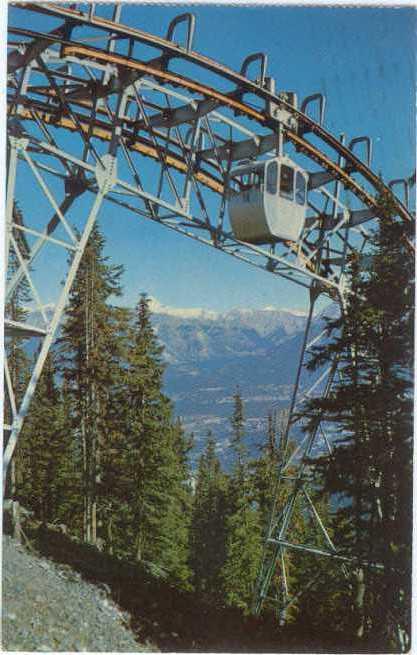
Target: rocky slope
column 62, row 595
column 47, row 607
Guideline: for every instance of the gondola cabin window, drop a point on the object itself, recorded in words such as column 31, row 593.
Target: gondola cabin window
column 300, row 189
column 272, row 178
column 286, row 187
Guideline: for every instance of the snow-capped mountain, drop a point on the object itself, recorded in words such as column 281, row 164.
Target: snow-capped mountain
column 208, row 355
column 202, row 335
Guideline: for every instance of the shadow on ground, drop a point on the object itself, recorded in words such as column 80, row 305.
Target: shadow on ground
column 172, row 619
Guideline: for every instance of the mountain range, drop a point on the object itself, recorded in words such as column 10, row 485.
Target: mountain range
column 209, row 355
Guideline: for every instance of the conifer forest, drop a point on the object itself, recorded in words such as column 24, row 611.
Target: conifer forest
column 103, row 454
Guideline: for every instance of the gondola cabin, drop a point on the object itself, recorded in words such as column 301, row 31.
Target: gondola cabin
column 268, row 200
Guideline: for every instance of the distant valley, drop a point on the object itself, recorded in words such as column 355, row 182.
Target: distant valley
column 208, row 355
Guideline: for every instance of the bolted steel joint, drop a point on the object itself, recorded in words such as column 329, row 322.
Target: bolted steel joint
column 20, row 143
column 106, row 173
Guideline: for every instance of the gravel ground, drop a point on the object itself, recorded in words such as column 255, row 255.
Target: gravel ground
column 48, row 607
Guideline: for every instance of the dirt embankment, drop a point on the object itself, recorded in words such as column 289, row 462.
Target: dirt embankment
column 68, row 596
column 63, row 596
column 48, row 607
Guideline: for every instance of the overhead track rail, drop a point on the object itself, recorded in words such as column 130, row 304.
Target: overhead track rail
column 242, row 82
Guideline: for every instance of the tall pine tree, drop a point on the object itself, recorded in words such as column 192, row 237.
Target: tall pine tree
column 265, row 467
column 48, row 477
column 91, row 358
column 243, row 527
column 369, row 474
column 208, row 522
column 153, row 454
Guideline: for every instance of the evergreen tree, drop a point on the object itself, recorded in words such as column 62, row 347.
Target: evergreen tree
column 175, row 528
column 91, row 358
column 369, row 474
column 47, row 481
column 243, row 528
column 265, row 468
column 237, row 422
column 208, row 521
column 155, row 477
column 68, row 483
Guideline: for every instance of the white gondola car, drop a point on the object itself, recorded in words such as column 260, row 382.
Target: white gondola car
column 269, row 203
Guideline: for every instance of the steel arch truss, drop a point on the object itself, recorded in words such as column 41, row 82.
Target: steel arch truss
column 102, row 112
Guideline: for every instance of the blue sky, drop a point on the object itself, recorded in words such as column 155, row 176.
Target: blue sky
column 362, row 59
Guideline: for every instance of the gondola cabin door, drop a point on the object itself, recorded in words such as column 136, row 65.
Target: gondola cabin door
column 268, row 201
